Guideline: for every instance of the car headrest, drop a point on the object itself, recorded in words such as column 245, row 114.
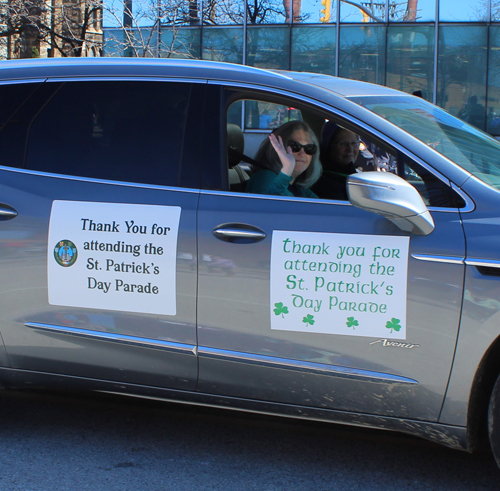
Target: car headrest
column 235, row 144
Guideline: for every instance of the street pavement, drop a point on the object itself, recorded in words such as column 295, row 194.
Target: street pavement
column 74, row 441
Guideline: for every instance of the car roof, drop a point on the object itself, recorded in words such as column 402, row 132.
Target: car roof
column 68, row 67
column 343, row 86
column 185, row 68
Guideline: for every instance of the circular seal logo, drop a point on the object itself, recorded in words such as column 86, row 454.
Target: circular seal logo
column 65, row 253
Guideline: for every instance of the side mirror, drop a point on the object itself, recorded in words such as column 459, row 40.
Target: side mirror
column 392, row 197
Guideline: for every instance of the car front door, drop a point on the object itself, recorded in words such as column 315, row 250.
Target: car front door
column 321, row 304
column 99, row 256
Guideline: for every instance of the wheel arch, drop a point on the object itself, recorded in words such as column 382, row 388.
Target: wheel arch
column 482, row 387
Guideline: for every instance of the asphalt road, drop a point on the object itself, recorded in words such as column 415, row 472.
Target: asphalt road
column 68, row 441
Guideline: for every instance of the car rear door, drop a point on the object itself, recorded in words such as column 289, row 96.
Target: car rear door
column 99, row 256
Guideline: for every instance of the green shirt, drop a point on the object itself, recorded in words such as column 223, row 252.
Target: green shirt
column 265, row 181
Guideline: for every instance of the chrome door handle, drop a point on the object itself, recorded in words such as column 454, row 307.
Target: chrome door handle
column 7, row 212
column 239, row 232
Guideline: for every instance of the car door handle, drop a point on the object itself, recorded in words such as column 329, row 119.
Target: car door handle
column 7, row 212
column 240, row 233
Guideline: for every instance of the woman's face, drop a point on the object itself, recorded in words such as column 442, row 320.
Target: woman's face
column 302, row 160
column 344, row 147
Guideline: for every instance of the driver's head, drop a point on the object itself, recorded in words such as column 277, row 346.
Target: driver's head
column 339, row 146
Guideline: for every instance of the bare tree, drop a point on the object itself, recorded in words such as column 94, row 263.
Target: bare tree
column 152, row 28
column 76, row 26
column 61, row 27
column 24, row 19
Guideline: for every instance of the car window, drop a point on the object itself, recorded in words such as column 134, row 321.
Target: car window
column 254, row 114
column 245, row 166
column 433, row 191
column 12, row 97
column 472, row 149
column 19, row 103
column 125, row 131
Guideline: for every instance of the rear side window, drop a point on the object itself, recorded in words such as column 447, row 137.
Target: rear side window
column 12, row 97
column 122, row 131
column 16, row 106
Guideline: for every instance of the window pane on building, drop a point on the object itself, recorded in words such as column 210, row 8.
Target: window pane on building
column 412, row 11
column 462, row 11
column 495, row 10
column 366, row 12
column 410, row 59
column 223, row 44
column 462, row 72
column 268, row 11
column 223, row 12
column 131, row 42
column 313, row 49
column 180, row 43
column 174, row 12
column 314, row 11
column 493, row 105
column 362, row 53
column 269, row 47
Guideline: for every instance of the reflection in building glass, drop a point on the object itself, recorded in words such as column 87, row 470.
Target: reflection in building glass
column 400, row 43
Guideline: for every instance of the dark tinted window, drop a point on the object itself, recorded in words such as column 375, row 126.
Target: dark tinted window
column 124, row 131
column 12, row 97
column 15, row 108
column 434, row 192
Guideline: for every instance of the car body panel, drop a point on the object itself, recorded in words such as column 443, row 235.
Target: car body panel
column 235, row 319
column 28, row 328
column 481, row 308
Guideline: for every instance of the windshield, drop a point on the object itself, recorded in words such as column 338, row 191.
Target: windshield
column 475, row 151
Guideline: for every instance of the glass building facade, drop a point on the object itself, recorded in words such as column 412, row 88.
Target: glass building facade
column 448, row 50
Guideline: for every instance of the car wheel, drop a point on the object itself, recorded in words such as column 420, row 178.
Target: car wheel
column 494, row 421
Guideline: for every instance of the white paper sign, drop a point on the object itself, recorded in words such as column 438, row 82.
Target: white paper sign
column 339, row 283
column 113, row 256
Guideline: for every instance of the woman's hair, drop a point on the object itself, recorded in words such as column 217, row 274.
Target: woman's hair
column 268, row 158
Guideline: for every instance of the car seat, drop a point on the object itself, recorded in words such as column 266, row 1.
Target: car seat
column 235, row 155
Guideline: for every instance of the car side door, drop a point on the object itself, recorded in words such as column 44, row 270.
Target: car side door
column 99, row 259
column 326, row 305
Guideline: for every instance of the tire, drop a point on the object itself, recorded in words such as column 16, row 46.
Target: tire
column 494, row 421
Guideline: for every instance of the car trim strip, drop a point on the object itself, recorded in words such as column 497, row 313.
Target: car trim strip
column 274, row 197
column 488, row 263
column 439, row 259
column 117, row 338
column 124, row 78
column 99, row 181
column 302, row 366
column 22, row 81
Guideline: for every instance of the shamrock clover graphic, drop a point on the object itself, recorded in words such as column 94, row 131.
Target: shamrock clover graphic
column 393, row 324
column 280, row 309
column 308, row 319
column 352, row 322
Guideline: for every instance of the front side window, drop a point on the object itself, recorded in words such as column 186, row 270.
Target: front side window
column 326, row 151
column 122, row 131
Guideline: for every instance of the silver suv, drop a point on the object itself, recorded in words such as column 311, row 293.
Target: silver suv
column 136, row 260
